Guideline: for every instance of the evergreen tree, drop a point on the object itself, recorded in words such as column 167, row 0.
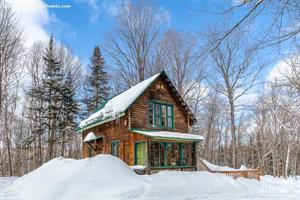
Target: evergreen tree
column 52, row 83
column 36, row 103
column 69, row 109
column 96, row 83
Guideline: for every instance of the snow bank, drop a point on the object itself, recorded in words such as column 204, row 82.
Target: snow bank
column 205, row 185
column 103, row 176
column 6, row 181
column 107, row 177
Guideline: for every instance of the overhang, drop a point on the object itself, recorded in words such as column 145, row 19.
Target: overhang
column 168, row 135
column 91, row 137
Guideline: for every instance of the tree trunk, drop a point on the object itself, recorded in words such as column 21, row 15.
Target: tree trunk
column 287, row 161
column 233, row 132
column 62, row 153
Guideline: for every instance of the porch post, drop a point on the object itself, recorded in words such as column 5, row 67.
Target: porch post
column 148, row 155
column 195, row 155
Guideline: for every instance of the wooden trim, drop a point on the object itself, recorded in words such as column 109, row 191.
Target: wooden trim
column 134, row 150
column 129, row 118
column 148, row 153
column 188, row 122
column 99, row 122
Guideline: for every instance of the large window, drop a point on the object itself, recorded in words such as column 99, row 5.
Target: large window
column 186, row 154
column 171, row 154
column 115, row 148
column 157, row 153
column 160, row 115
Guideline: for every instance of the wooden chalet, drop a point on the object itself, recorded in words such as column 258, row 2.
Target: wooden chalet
column 147, row 125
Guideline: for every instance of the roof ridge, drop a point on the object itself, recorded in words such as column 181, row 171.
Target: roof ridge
column 106, row 100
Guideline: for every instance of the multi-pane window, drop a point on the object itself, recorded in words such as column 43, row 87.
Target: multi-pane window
column 160, row 115
column 171, row 154
column 157, row 154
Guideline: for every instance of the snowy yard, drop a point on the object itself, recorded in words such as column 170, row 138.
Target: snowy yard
column 106, row 177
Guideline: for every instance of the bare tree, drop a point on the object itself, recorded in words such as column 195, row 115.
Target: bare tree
column 283, row 20
column 130, row 46
column 179, row 54
column 10, row 57
column 235, row 73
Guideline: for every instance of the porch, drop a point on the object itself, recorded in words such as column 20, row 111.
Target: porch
column 163, row 150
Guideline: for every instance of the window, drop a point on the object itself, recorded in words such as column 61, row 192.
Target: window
column 140, row 153
column 173, row 154
column 160, row 115
column 169, row 154
column 151, row 113
column 115, row 148
column 157, row 157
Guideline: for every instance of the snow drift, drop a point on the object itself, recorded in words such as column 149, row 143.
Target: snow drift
column 107, row 177
column 103, row 176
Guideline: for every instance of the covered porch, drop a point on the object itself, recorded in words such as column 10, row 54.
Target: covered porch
column 164, row 150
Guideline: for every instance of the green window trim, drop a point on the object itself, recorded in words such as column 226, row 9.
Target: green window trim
column 115, row 148
column 157, row 116
column 140, row 153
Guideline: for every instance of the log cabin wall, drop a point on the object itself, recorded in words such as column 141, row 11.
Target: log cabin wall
column 116, row 130
column 158, row 91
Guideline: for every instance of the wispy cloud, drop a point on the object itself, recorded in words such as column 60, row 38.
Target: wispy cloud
column 112, row 9
column 95, row 7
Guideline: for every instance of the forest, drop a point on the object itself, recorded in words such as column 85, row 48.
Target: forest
column 45, row 90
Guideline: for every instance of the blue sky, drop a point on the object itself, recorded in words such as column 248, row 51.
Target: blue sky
column 83, row 23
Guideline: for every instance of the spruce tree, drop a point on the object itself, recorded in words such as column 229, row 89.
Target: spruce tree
column 36, row 103
column 52, row 83
column 69, row 109
column 96, row 83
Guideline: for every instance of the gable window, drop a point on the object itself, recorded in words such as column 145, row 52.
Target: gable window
column 115, row 148
column 160, row 115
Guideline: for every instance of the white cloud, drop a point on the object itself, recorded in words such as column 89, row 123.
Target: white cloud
column 281, row 70
column 112, row 8
column 33, row 16
column 276, row 73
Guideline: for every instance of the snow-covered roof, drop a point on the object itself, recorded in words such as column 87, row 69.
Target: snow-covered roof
column 170, row 135
column 118, row 104
column 217, row 168
column 90, row 137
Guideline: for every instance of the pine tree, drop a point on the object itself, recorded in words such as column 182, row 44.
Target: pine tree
column 52, row 85
column 69, row 109
column 37, row 111
column 96, row 83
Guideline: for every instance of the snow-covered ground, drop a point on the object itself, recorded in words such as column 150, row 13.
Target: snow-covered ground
column 107, row 177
